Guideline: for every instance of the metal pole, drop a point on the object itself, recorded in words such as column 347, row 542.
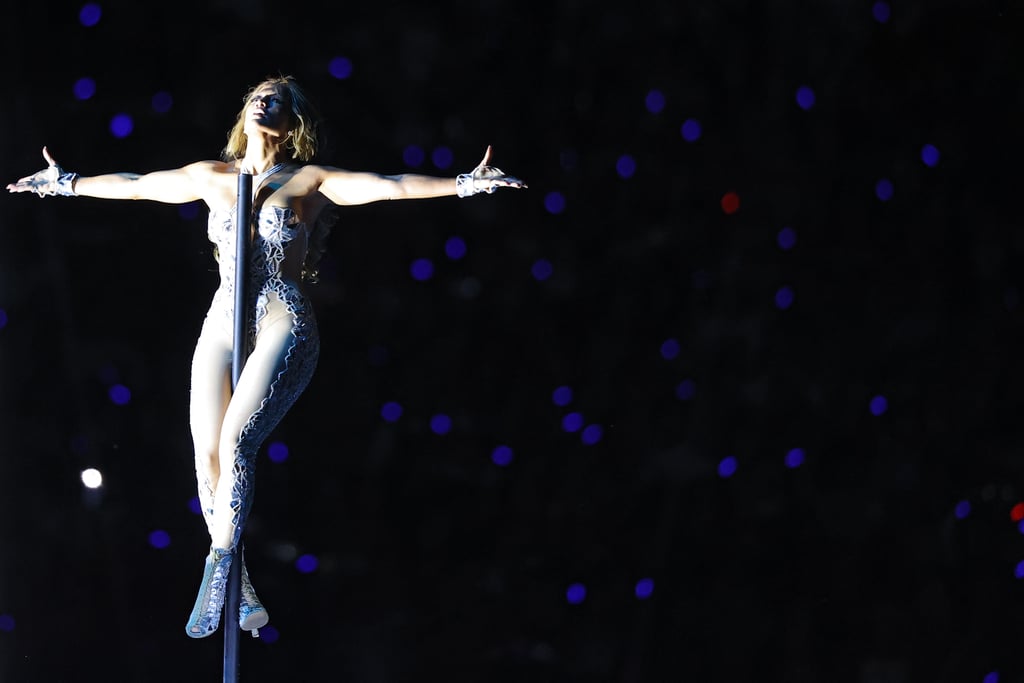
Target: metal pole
column 243, row 225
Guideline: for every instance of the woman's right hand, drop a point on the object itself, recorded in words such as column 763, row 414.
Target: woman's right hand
column 44, row 183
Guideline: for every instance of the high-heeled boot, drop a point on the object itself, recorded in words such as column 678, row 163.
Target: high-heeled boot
column 205, row 617
column 252, row 615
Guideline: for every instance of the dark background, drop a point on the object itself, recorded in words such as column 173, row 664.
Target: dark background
column 434, row 562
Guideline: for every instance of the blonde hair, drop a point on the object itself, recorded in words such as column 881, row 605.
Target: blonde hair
column 302, row 138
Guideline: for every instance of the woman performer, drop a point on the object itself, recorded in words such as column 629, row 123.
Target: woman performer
column 275, row 132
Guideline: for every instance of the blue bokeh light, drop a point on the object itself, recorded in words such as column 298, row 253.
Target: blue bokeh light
column 1018, row 571
column 690, row 130
column 542, row 270
column 786, row 238
column 784, row 297
column 90, row 14
column 644, row 588
column 727, row 467
column 121, row 125
column 455, row 247
column 120, row 394
column 686, row 390
column 625, row 166
column 669, row 349
column 162, row 102
column 307, row 564
column 554, row 203
column 442, row 158
column 884, row 189
column 572, row 422
column 501, row 456
column 795, row 458
column 413, row 155
column 159, row 539
column 576, row 593
column 6, row 623
column 930, row 155
column 277, row 451
column 655, row 101
column 84, row 88
column 440, row 424
column 269, row 635
column 340, row 67
column 805, row 97
column 195, row 505
column 881, row 12
column 3, row 318
column 963, row 509
column 422, row 269
column 592, row 434
column 391, row 411
column 879, row 405
column 562, row 396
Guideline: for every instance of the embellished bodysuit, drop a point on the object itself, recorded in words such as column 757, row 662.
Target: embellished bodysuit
column 284, row 346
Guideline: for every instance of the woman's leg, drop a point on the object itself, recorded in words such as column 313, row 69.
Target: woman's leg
column 210, row 393
column 275, row 374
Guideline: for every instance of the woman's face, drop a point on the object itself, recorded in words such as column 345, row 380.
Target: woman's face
column 267, row 112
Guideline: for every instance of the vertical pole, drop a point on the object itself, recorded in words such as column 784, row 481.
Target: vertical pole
column 243, row 225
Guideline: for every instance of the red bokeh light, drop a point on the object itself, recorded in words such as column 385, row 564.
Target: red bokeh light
column 730, row 202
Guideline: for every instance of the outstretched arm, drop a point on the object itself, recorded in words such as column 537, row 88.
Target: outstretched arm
column 176, row 186
column 349, row 187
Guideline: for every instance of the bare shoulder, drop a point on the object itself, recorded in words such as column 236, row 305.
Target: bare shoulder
column 207, row 168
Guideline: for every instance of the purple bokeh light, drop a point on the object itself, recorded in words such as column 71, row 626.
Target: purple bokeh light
column 455, row 247
column 502, row 456
column 644, row 588
column 690, row 130
column 6, row 623
column 881, row 12
column 542, row 270
column 562, row 396
column 84, row 88
column 963, row 509
column 307, row 564
column 162, row 102
column 592, row 434
column 120, row 394
column 121, row 125
column 422, row 269
column 340, row 67
column 625, row 166
column 576, row 593
column 884, row 189
column 655, row 101
column 786, row 238
column 442, row 158
column 413, row 155
column 90, row 14
column 805, row 97
column 572, row 422
column 669, row 349
column 879, row 405
column 3, row 318
column 784, row 297
column 795, row 458
column 159, row 539
column 686, row 390
column 440, row 424
column 727, row 467
column 930, row 155
column 554, row 203
column 277, row 451
column 391, row 411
